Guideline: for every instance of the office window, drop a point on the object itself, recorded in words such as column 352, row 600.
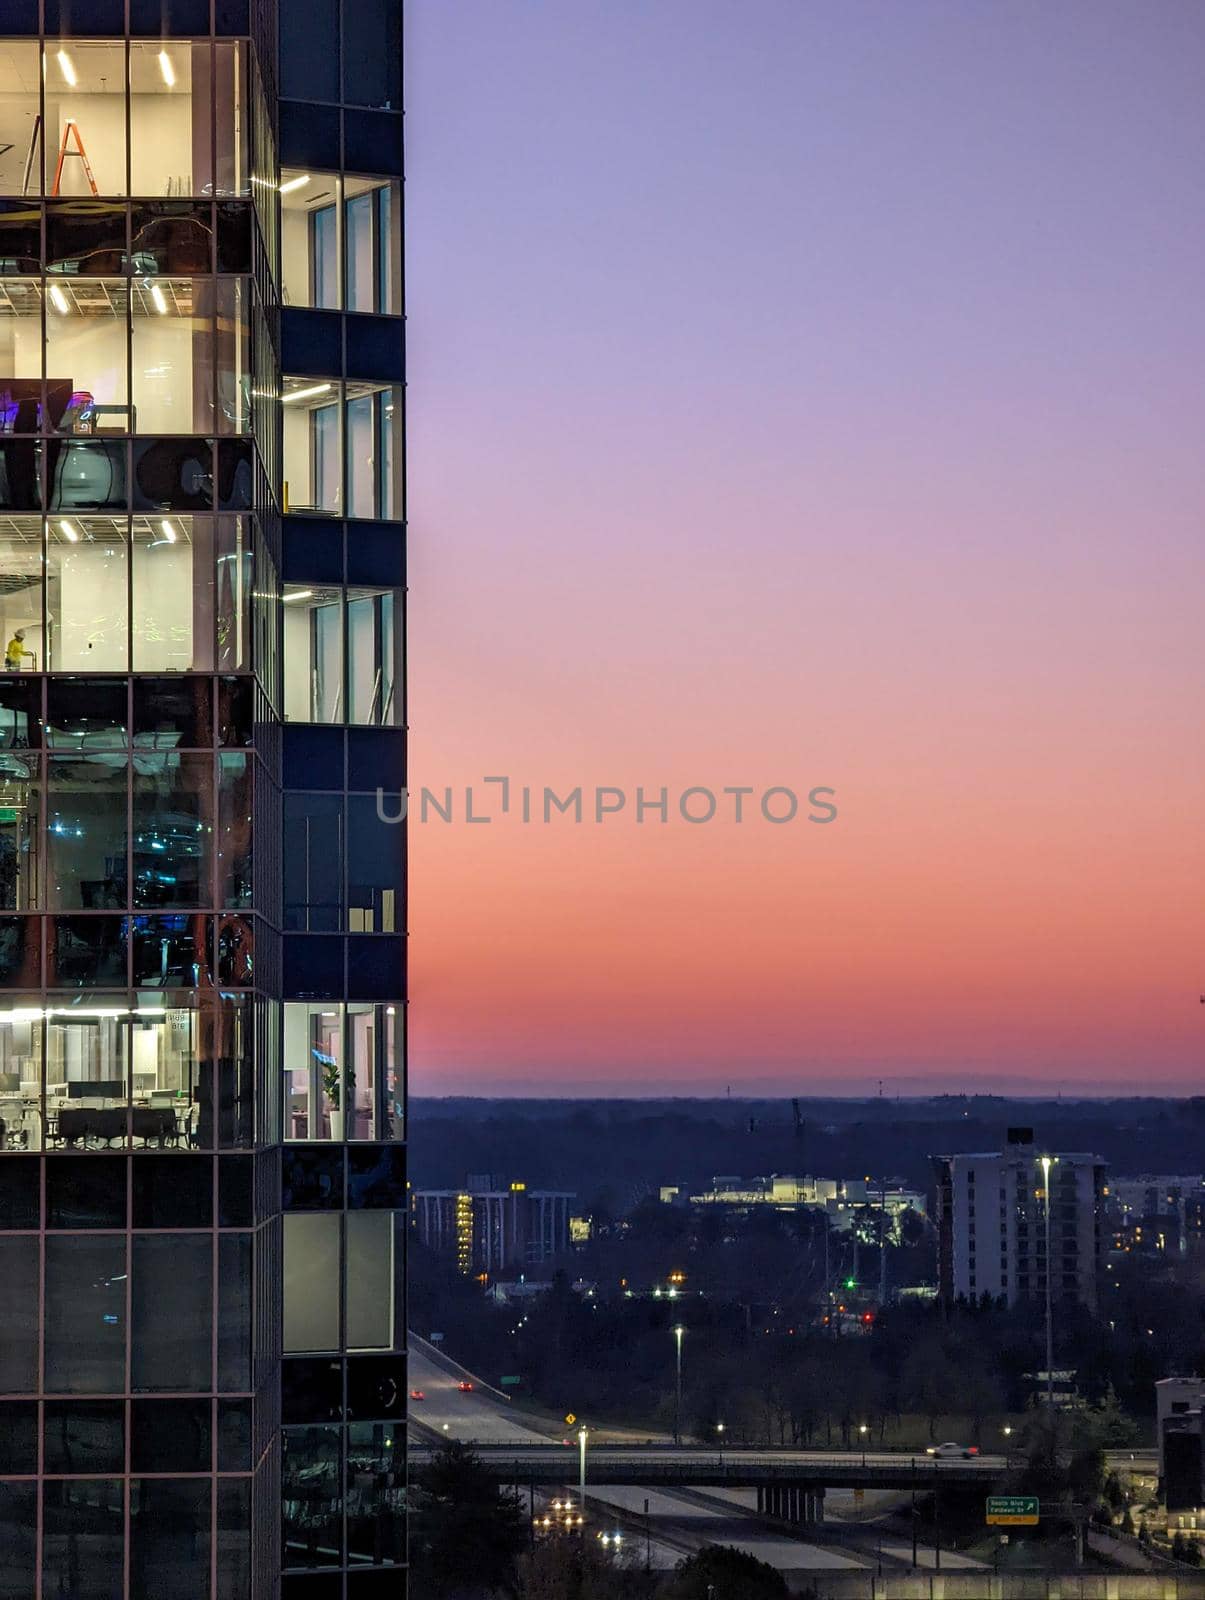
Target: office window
column 84, row 1437
column 310, row 205
column 86, row 587
column 86, row 357
column 234, row 592
column 85, row 117
column 171, row 238
column 375, row 868
column 373, row 421
column 313, row 862
column 21, row 624
column 169, row 117
column 376, row 1494
column 87, row 1074
column 313, row 653
column 318, row 1079
column 20, row 354
column 169, row 1538
column 20, row 818
column 231, row 151
column 313, row 449
column 313, row 1252
column 173, row 595
column 19, row 1325
column 172, row 854
column 369, row 1285
column 234, row 830
column 232, row 347
column 21, row 162
column 173, row 355
column 21, row 1076
column 373, row 655
column 373, row 246
column 311, row 1480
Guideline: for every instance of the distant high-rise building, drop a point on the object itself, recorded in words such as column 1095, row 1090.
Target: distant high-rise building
column 493, row 1227
column 202, row 921
column 994, row 1213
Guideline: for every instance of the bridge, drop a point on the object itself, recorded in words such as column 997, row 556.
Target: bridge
column 790, row 1484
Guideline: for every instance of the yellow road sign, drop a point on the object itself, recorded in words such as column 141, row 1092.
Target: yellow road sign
column 570, row 1420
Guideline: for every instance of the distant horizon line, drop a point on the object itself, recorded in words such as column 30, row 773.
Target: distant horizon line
column 591, row 1092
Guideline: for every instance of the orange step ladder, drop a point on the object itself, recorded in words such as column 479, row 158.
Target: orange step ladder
column 71, row 130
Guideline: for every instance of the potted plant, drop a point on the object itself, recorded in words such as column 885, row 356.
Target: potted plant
column 334, row 1084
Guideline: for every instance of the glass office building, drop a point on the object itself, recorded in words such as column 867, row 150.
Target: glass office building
column 202, row 903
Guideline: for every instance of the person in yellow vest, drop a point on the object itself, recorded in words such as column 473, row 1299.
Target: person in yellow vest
column 16, row 651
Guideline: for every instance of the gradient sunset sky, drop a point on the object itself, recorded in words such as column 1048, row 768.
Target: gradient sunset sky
column 809, row 393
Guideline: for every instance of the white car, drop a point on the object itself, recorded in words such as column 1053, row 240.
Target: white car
column 951, row 1451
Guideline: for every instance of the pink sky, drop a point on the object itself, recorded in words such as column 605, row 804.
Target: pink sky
column 804, row 394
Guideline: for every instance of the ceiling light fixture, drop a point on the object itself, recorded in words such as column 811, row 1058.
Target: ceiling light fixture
column 69, row 531
column 305, row 394
column 59, row 299
column 295, row 183
column 66, row 68
column 159, row 299
column 169, row 533
column 299, row 594
column 166, row 68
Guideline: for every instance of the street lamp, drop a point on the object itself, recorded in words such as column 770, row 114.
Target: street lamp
column 719, row 1430
column 679, row 1330
column 863, row 1430
column 581, row 1465
column 1046, row 1163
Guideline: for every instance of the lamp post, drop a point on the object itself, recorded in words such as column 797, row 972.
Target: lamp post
column 863, row 1430
column 1047, row 1162
column 679, row 1330
column 581, row 1468
column 719, row 1433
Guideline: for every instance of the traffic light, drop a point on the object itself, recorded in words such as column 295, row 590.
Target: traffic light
column 851, row 1283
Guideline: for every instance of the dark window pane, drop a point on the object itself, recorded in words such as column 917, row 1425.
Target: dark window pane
column 309, row 53
column 20, row 1192
column 173, row 830
column 172, row 952
column 236, row 1199
column 169, row 1539
column 86, row 828
column 85, row 1314
column 172, row 236
column 236, row 950
column 20, row 952
column 234, row 830
column 18, row 1538
column 234, row 1311
column 315, row 1586
column 376, row 1387
column 311, row 1180
column 86, row 237
column 372, row 53
column 173, row 1191
column 234, row 1539
column 85, row 1437
column 86, row 476
column 376, row 1493
column 20, row 232
column 173, row 475
column 234, row 475
column 20, row 475
column 86, row 951
column 313, row 862
column 376, row 1176
column 236, row 705
column 172, row 1312
column 375, row 868
column 20, row 806
column 18, row 1440
column 234, row 236
column 234, row 1435
column 86, row 1192
column 311, row 1389
column 170, row 1436
column 20, row 713
column 19, row 1324
column 172, row 712
column 310, row 1489
column 82, row 1537
column 84, row 715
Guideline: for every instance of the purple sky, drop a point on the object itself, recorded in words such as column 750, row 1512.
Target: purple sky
column 810, row 392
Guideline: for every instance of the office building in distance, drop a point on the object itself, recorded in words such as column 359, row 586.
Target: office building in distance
column 493, row 1227
column 996, row 1210
column 202, row 1185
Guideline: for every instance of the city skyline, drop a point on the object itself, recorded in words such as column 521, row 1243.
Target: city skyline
column 809, row 402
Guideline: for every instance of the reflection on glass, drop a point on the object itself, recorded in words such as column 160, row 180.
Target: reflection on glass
column 85, row 238
column 313, row 862
column 23, row 638
column 234, row 830
column 87, row 1075
column 317, row 1079
column 171, row 238
column 20, row 809
column 375, row 867
column 376, row 1493
column 310, row 1487
column 86, row 597
column 86, row 358
column 368, row 1280
column 232, row 298
column 169, row 1538
column 20, row 354
column 85, row 1313
column 309, row 223
column 86, row 832
column 234, row 584
column 173, row 355
column 171, row 1316
column 82, row 952
column 231, row 152
column 313, row 653
column 172, row 860
column 82, row 1534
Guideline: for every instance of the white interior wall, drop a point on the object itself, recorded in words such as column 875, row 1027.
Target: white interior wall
column 295, row 256
column 163, row 607
column 163, row 376
column 297, row 455
column 91, row 351
column 297, row 665
column 90, row 617
column 161, row 140
column 101, row 121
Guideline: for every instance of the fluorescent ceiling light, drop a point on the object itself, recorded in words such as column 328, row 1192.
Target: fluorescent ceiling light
column 302, row 394
column 159, row 299
column 166, row 68
column 295, row 183
column 66, row 68
column 69, row 531
column 300, row 594
column 59, row 299
column 169, row 533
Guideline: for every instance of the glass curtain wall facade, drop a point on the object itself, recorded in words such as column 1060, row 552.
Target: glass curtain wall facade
column 202, row 1061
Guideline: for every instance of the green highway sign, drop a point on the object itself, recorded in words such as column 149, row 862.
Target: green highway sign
column 1012, row 1510
column 509, row 1381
